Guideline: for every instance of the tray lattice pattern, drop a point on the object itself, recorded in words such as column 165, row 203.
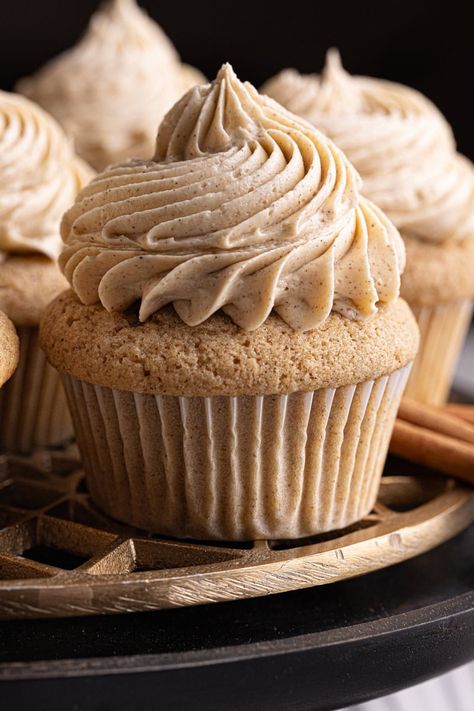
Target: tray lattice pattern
column 59, row 556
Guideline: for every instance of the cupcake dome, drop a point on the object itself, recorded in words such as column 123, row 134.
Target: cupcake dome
column 9, row 349
column 166, row 357
column 111, row 90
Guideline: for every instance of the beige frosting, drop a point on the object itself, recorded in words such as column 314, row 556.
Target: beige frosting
column 398, row 141
column 244, row 208
column 112, row 89
column 39, row 178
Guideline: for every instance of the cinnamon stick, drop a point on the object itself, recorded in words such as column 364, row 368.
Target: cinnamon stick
column 465, row 412
column 433, row 449
column 436, row 419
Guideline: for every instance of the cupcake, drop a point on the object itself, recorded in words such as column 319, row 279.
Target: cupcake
column 405, row 152
column 39, row 178
column 9, row 349
column 111, row 90
column 233, row 347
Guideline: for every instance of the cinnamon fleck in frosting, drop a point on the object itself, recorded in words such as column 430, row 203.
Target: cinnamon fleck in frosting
column 245, row 208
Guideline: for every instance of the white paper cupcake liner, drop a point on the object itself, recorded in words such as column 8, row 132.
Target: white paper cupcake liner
column 443, row 331
column 33, row 407
column 236, row 468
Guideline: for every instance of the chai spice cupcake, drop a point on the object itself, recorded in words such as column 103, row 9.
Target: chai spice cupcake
column 112, row 89
column 233, row 347
column 9, row 349
column 405, row 152
column 39, row 178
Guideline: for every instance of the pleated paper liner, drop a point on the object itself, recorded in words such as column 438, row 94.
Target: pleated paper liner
column 443, row 330
column 60, row 557
column 236, row 468
column 33, row 407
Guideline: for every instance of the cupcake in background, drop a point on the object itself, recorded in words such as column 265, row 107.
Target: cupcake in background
column 112, row 89
column 234, row 349
column 39, row 178
column 9, row 349
column 406, row 154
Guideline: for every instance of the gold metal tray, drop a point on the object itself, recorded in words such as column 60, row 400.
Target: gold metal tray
column 60, row 557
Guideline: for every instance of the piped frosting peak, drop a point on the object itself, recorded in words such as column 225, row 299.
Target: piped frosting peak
column 245, row 208
column 111, row 90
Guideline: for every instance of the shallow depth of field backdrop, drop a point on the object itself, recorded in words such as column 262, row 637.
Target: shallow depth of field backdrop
column 425, row 44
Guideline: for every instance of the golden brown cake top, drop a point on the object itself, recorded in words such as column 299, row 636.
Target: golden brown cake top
column 39, row 177
column 9, row 349
column 398, row 141
column 165, row 356
column 110, row 91
column 27, row 285
column 438, row 273
column 245, row 208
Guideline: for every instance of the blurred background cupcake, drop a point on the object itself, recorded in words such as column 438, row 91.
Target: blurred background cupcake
column 112, row 89
column 39, row 178
column 405, row 152
column 9, row 349
column 234, row 349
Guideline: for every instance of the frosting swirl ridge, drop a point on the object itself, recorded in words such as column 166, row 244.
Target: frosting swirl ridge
column 39, row 177
column 244, row 208
column 111, row 90
column 398, row 141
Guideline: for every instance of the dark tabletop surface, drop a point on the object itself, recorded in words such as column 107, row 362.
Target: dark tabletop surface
column 319, row 648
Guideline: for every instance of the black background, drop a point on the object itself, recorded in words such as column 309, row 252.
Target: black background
column 425, row 44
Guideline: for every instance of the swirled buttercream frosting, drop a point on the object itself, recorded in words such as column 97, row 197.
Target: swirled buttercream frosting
column 112, row 89
column 244, row 208
column 39, row 178
column 398, row 141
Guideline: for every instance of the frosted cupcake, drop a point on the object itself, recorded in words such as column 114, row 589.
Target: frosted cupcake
column 9, row 349
column 39, row 178
column 405, row 152
column 234, row 348
column 111, row 91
